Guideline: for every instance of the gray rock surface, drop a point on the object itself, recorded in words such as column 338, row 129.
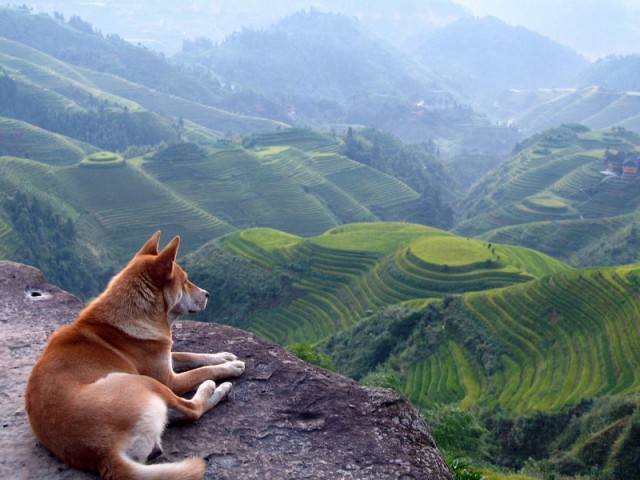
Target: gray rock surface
column 285, row 419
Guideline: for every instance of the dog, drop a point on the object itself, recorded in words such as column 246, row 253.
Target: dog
column 103, row 390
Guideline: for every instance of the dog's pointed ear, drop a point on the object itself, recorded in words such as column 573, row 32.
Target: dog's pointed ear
column 151, row 245
column 168, row 255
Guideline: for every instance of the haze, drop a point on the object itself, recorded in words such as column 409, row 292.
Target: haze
column 594, row 28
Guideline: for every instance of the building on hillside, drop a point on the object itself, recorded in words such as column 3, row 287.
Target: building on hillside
column 622, row 164
column 630, row 167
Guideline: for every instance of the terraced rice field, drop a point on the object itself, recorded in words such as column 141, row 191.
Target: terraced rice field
column 564, row 338
column 446, row 377
column 128, row 205
column 355, row 269
column 300, row 138
column 213, row 118
column 20, row 139
column 283, row 187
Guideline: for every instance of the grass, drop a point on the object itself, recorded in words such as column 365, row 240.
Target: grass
column 213, row 118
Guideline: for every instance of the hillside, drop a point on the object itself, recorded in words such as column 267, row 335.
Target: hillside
column 294, row 180
column 596, row 107
column 554, row 185
column 553, row 358
column 485, row 56
column 288, row 289
column 54, row 48
column 66, row 99
column 539, row 345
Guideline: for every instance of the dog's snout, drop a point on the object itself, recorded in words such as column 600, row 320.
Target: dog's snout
column 206, row 294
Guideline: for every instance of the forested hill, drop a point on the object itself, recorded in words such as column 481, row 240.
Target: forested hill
column 77, row 43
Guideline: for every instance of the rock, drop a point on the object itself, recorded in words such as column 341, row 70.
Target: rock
column 284, row 419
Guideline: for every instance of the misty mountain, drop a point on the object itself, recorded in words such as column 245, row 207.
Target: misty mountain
column 162, row 25
column 327, row 69
column 315, row 55
column 75, row 41
column 485, row 56
column 619, row 73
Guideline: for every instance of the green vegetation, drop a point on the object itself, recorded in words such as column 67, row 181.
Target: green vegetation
column 380, row 88
column 518, row 361
column 291, row 179
column 33, row 233
column 417, row 166
column 305, row 352
column 552, row 358
column 552, row 196
column 20, row 139
column 303, row 189
column 325, row 284
column 535, row 346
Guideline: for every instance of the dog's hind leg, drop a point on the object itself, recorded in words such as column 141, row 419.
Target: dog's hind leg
column 145, row 439
column 209, row 400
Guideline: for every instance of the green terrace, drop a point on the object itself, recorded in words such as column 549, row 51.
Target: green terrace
column 20, row 139
column 343, row 275
column 304, row 193
column 303, row 139
column 563, row 338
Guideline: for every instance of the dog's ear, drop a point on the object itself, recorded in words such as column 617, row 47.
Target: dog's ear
column 168, row 255
column 151, row 245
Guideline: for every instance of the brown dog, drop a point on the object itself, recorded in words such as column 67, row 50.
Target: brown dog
column 104, row 388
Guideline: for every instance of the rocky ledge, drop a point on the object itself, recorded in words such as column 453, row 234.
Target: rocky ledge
column 284, row 419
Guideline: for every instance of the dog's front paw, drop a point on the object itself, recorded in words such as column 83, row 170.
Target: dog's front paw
column 222, row 357
column 234, row 368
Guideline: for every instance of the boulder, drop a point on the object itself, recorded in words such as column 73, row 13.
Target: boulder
column 285, row 419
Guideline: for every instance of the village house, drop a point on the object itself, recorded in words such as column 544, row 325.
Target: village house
column 622, row 164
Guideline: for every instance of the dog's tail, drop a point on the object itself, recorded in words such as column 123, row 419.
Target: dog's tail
column 120, row 467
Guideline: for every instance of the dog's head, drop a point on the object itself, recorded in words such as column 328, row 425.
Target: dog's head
column 180, row 295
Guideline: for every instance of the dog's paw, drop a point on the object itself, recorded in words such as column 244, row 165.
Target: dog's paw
column 234, row 368
column 222, row 357
column 207, row 387
column 224, row 389
column 220, row 393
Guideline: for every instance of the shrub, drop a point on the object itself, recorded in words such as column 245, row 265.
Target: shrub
column 305, row 352
column 456, row 431
column 462, row 470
